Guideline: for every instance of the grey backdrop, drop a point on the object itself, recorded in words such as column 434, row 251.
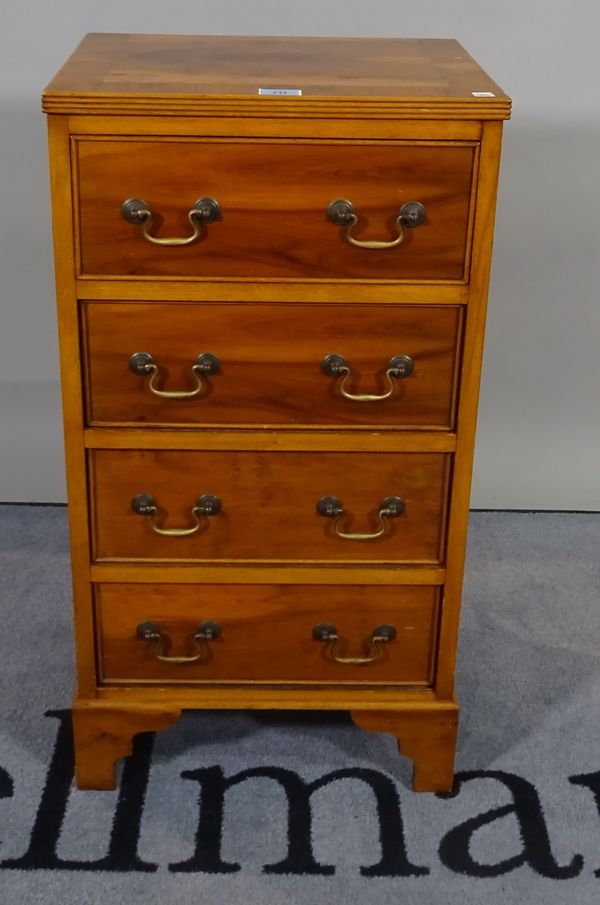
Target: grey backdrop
column 539, row 429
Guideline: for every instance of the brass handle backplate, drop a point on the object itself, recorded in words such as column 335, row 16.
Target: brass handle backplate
column 206, row 631
column 203, row 212
column 399, row 366
column 328, row 633
column 332, row 507
column 143, row 365
column 206, row 505
column 341, row 212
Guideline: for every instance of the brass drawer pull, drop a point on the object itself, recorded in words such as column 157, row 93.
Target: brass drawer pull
column 328, row 633
column 144, row 504
column 342, row 213
column 143, row 364
column 206, row 631
column 399, row 366
column 332, row 507
column 204, row 211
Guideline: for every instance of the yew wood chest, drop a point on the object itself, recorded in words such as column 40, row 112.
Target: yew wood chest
column 272, row 261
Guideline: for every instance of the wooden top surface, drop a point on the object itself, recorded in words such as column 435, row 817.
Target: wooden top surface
column 206, row 75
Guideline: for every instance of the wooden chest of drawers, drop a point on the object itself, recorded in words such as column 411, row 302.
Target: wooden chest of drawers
column 272, row 261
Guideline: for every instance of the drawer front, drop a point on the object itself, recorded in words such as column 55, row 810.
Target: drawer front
column 268, row 505
column 273, row 198
column 263, row 377
column 266, row 633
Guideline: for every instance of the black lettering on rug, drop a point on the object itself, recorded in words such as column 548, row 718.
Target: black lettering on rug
column 122, row 849
column 122, row 853
column 6, row 786
column 300, row 857
column 590, row 781
column 535, row 851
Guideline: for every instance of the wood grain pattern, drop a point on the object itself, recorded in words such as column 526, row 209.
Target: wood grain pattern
column 269, row 505
column 241, row 438
column 103, row 734
column 170, row 119
column 278, row 573
column 170, row 74
column 274, row 197
column 467, row 418
column 263, row 127
column 265, row 379
column 428, row 738
column 104, row 727
column 344, row 292
column 72, row 398
column 259, row 696
column 266, row 632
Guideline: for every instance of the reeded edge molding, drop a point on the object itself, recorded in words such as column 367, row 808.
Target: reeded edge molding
column 248, row 105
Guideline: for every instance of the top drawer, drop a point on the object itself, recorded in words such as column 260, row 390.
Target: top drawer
column 273, row 199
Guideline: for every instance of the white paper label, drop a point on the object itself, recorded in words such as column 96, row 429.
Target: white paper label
column 483, row 94
column 286, row 92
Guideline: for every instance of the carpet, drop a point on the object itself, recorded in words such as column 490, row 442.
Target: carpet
column 273, row 808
